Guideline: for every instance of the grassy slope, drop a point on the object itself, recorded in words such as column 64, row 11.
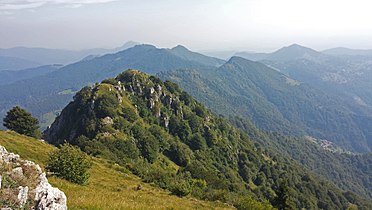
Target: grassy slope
column 110, row 186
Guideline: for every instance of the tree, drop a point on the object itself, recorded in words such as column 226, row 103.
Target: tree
column 21, row 121
column 283, row 201
column 69, row 163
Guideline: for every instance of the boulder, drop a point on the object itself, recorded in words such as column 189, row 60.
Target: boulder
column 46, row 196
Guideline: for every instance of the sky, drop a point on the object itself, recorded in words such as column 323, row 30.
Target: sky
column 240, row 25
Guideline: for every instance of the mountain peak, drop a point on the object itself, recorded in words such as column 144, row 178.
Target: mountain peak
column 294, row 51
column 140, row 47
column 127, row 45
column 184, row 53
column 298, row 48
column 180, row 47
column 237, row 59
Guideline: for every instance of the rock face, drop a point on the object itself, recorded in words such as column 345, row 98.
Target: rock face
column 24, row 185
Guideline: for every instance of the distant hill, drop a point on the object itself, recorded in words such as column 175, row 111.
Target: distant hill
column 51, row 92
column 9, row 77
column 339, row 51
column 223, row 54
column 163, row 135
column 292, row 52
column 13, row 63
column 275, row 102
column 44, row 56
column 186, row 54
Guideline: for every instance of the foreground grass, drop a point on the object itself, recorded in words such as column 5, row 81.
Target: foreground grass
column 110, row 186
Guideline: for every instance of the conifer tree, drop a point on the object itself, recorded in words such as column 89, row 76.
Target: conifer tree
column 22, row 122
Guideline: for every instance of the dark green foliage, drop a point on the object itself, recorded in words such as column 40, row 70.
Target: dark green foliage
column 69, row 163
column 348, row 171
column 197, row 142
column 21, row 121
column 179, row 153
column 184, row 148
column 106, row 106
column 146, row 142
column 283, row 197
column 129, row 114
column 179, row 128
column 110, row 81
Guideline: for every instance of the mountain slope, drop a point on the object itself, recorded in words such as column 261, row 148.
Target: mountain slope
column 348, row 171
column 51, row 92
column 340, row 51
column 274, row 102
column 8, row 77
column 166, row 137
column 45, row 56
column 13, row 63
column 109, row 186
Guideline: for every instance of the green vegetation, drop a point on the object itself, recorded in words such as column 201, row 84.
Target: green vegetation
column 110, row 186
column 274, row 102
column 350, row 172
column 21, row 121
column 69, row 163
column 164, row 136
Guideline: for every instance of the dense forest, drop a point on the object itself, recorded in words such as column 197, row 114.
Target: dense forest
column 163, row 135
column 351, row 172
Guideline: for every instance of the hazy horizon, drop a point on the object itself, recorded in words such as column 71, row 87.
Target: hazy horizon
column 204, row 25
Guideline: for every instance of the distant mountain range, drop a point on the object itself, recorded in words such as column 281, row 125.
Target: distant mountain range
column 24, row 57
column 294, row 91
column 275, row 102
column 297, row 92
column 50, row 92
column 9, row 77
column 347, row 51
column 13, row 63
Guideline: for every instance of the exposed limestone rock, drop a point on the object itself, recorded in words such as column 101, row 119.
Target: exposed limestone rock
column 152, row 90
column 107, row 121
column 48, row 197
column 18, row 172
column 22, row 195
column 43, row 196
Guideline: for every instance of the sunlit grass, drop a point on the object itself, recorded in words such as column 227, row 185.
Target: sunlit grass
column 109, row 187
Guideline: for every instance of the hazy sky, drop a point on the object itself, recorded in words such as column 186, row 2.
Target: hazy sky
column 257, row 25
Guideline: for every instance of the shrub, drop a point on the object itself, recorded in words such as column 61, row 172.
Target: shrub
column 21, row 121
column 69, row 163
column 181, row 188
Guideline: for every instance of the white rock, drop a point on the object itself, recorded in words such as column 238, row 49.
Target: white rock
column 18, row 172
column 22, row 195
column 48, row 197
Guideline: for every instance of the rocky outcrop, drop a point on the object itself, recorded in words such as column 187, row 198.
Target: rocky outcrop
column 24, row 185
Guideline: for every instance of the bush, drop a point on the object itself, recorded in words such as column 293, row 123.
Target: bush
column 22, row 122
column 181, row 188
column 248, row 203
column 69, row 163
